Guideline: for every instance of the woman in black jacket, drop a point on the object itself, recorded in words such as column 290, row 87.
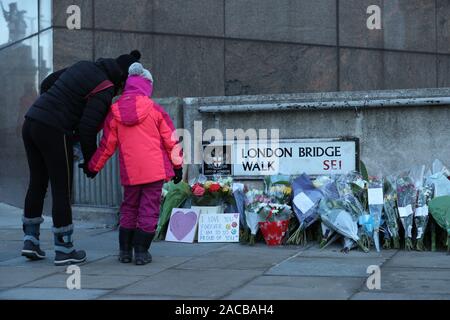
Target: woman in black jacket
column 76, row 99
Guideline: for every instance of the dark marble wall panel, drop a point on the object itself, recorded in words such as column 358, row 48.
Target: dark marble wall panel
column 353, row 29
column 60, row 12
column 443, row 71
column 307, row 21
column 71, row 46
column 409, row 70
column 188, row 67
column 114, row 44
column 19, row 69
column 134, row 15
column 361, row 70
column 193, row 17
column 262, row 68
column 410, row 25
column 406, row 24
column 443, row 26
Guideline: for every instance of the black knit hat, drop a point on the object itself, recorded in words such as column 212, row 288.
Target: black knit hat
column 126, row 60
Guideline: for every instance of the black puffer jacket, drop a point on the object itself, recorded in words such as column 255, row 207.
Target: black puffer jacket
column 64, row 104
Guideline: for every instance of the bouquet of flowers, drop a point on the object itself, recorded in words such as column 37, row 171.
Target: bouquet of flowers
column 334, row 215
column 390, row 214
column 174, row 196
column 406, row 200
column 327, row 185
column 424, row 195
column 440, row 210
column 376, row 203
column 345, row 185
column 305, row 205
column 255, row 202
column 211, row 193
column 440, row 178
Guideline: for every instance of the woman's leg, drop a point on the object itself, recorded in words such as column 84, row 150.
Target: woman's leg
column 56, row 149
column 34, row 201
column 37, row 188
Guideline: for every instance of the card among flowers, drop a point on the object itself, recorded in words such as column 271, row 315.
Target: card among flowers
column 183, row 225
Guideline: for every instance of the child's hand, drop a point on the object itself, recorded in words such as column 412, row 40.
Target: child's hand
column 178, row 175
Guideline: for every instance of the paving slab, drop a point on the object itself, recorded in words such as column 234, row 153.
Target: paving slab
column 14, row 276
column 211, row 284
column 162, row 248
column 87, row 281
column 420, row 260
column 398, row 296
column 297, row 288
column 50, row 294
column 329, row 267
column 111, row 266
column 334, row 251
column 19, row 261
column 240, row 258
column 148, row 297
column 415, row 282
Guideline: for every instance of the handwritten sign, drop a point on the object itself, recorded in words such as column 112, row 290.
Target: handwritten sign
column 218, row 228
column 182, row 225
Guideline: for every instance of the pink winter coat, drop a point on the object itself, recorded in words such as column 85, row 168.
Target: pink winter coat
column 144, row 133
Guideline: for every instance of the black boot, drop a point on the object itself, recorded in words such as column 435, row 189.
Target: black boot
column 141, row 244
column 65, row 253
column 126, row 245
column 31, row 245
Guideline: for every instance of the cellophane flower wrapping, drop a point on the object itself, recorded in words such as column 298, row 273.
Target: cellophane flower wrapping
column 338, row 219
column 390, row 213
column 439, row 179
column 424, row 195
column 328, row 188
column 406, row 201
column 376, row 203
column 306, row 200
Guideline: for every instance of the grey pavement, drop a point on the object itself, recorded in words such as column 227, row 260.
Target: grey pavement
column 215, row 271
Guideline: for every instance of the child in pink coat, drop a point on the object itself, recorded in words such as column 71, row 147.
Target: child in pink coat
column 149, row 155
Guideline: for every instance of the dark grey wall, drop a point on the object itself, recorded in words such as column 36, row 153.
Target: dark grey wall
column 235, row 47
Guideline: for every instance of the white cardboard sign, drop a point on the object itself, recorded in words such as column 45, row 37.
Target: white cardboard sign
column 182, row 225
column 222, row 227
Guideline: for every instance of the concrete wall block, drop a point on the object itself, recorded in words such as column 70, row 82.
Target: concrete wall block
column 306, row 21
column 264, row 68
column 193, row 17
column 188, row 67
column 443, row 26
column 361, row 69
column 70, row 46
column 130, row 15
column 60, row 12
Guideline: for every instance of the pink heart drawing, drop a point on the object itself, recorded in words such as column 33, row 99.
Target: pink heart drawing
column 182, row 223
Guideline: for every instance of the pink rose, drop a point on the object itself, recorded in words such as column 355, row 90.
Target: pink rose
column 198, row 190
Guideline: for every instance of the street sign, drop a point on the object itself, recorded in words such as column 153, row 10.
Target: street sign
column 289, row 157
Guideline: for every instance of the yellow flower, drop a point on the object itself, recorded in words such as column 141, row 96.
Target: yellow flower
column 207, row 185
column 226, row 189
column 288, row 191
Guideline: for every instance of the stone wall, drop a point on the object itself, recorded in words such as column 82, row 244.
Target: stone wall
column 201, row 48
